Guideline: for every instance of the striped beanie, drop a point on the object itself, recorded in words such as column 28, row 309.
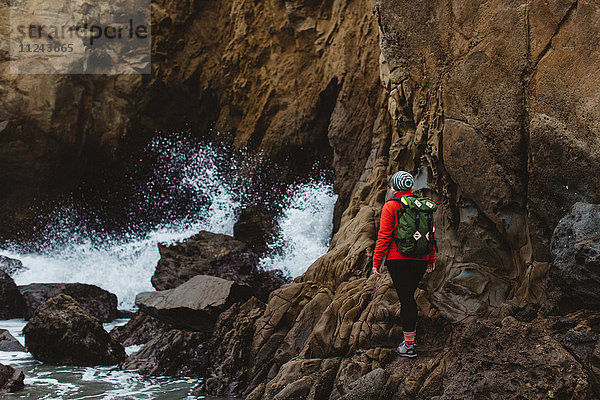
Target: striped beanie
column 402, row 180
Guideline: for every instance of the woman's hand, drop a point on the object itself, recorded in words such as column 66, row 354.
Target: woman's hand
column 376, row 272
column 430, row 267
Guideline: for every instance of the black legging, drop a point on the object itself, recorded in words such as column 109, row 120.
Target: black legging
column 406, row 275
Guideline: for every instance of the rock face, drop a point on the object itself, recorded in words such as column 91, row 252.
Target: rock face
column 576, row 250
column 479, row 360
column 100, row 303
column 482, row 113
column 217, row 255
column 10, row 265
column 140, row 329
column 11, row 380
column 63, row 333
column 171, row 353
column 195, row 304
column 12, row 303
column 9, row 343
column 229, row 350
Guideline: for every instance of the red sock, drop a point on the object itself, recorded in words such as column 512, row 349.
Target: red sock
column 409, row 338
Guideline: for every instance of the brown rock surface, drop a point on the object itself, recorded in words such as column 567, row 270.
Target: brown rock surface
column 194, row 305
column 494, row 107
column 11, row 380
column 172, row 353
column 479, row 359
column 229, row 350
column 140, row 329
column 63, row 333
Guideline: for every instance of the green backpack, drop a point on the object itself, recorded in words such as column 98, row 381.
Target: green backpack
column 415, row 232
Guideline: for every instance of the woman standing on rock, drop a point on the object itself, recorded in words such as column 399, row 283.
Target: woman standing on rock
column 406, row 265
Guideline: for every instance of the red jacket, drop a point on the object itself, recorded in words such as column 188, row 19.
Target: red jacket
column 387, row 228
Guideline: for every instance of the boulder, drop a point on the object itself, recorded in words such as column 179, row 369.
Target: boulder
column 172, row 353
column 11, row 380
column 576, row 250
column 195, row 304
column 140, row 329
column 217, row 255
column 61, row 332
column 10, row 265
column 12, row 303
column 98, row 302
column 8, row 342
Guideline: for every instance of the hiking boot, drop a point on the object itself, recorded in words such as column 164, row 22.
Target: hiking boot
column 407, row 351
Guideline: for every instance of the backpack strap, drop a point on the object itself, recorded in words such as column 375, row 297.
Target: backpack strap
column 399, row 213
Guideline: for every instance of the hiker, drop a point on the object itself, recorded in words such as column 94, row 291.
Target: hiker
column 407, row 260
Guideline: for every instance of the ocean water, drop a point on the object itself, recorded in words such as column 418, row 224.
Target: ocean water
column 76, row 249
column 305, row 227
column 98, row 383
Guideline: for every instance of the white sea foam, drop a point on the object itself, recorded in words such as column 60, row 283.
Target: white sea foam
column 49, row 382
column 305, row 228
column 124, row 263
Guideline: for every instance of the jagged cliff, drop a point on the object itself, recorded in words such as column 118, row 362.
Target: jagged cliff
column 493, row 105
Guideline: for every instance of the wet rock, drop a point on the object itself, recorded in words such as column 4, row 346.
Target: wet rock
column 272, row 327
column 302, row 379
column 368, row 386
column 100, row 303
column 172, row 353
column 140, row 329
column 9, row 343
column 195, row 304
column 11, row 380
column 576, row 250
column 229, row 350
column 12, row 303
column 10, row 265
column 61, row 332
column 217, row 255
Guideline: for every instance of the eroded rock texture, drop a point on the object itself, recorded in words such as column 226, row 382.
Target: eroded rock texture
column 11, row 380
column 483, row 113
column 61, row 332
column 492, row 105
